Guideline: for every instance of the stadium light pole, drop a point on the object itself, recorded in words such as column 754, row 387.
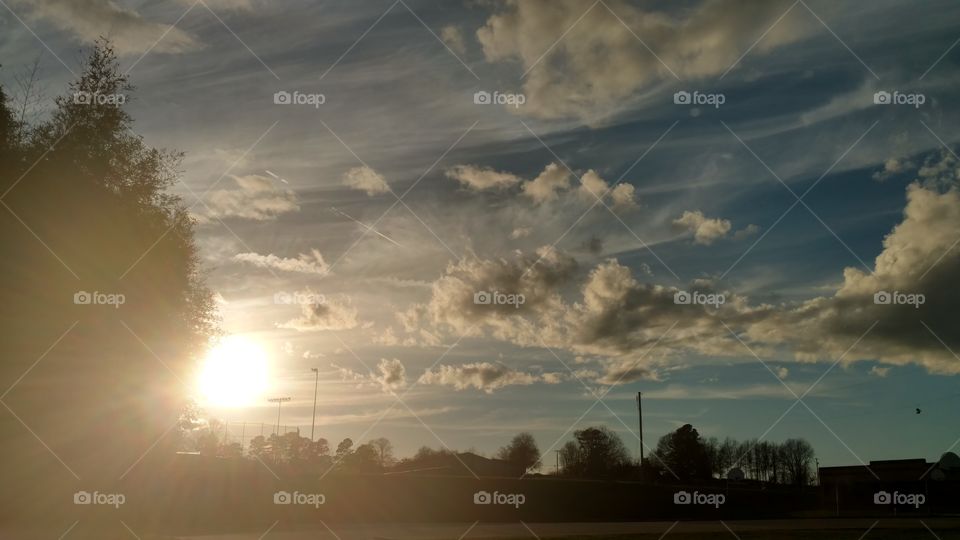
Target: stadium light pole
column 279, row 401
column 316, row 386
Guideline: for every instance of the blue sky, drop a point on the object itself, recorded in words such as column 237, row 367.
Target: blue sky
column 506, row 198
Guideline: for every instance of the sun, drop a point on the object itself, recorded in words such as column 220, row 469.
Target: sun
column 234, row 373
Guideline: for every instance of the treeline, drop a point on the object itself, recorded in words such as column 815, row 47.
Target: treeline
column 595, row 452
column 684, row 456
column 209, row 438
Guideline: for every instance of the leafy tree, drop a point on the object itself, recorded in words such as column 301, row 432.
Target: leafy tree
column 684, row 453
column 231, row 450
column 364, row 459
column 258, row 447
column 522, row 451
column 97, row 196
column 384, row 449
column 596, row 453
column 344, row 449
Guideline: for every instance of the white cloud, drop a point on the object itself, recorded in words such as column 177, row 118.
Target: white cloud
column 879, row 371
column 705, row 230
column 367, row 180
column 479, row 179
column 332, row 314
column 593, row 187
column 545, row 186
column 520, row 232
column 255, row 197
column 391, row 375
column 305, row 263
column 453, row 37
column 599, row 64
column 129, row 33
column 617, row 318
column 484, row 376
column 746, row 232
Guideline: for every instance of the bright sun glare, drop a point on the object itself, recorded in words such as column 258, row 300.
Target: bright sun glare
column 234, row 373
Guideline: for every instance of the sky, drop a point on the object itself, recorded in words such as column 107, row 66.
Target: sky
column 366, row 175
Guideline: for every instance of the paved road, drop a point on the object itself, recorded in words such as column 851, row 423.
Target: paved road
column 471, row 531
column 454, row 531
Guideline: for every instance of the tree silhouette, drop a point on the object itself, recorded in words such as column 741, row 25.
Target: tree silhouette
column 684, row 453
column 596, row 452
column 384, row 449
column 522, row 451
column 87, row 208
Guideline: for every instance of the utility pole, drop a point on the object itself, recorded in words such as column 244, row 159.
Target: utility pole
column 316, row 386
column 558, row 461
column 640, row 415
column 279, row 401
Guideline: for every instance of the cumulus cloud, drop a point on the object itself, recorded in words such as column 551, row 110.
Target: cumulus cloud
column 333, row 313
column 452, row 303
column 593, row 187
column 254, row 197
column 88, row 20
column 892, row 167
column 484, row 376
column 520, row 232
column 705, row 230
column 879, row 371
column 366, row 180
column 547, row 184
column 453, row 37
column 599, row 64
column 746, row 232
column 390, row 376
column 635, row 330
column 305, row 263
column 480, row 179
